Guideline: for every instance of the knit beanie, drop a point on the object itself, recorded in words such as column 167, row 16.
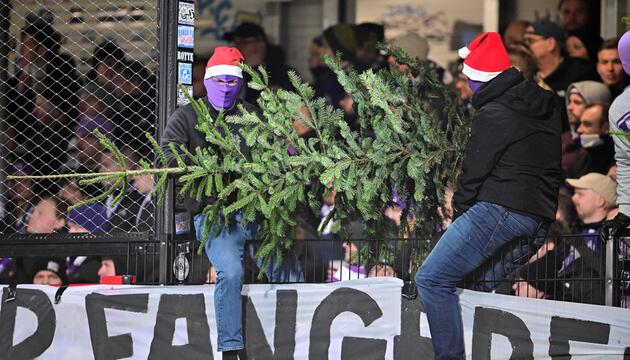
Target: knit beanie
column 593, row 92
column 341, row 38
column 55, row 265
column 414, row 45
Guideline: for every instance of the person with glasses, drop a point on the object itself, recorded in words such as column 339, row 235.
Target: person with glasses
column 556, row 70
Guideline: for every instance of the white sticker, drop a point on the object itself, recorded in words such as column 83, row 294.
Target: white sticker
column 181, row 96
column 185, row 56
column 186, row 13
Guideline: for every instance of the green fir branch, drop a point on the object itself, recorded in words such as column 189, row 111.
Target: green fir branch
column 410, row 135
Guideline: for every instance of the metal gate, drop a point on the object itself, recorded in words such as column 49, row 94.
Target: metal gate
column 68, row 68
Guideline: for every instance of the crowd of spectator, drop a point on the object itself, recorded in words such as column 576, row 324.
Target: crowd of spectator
column 54, row 113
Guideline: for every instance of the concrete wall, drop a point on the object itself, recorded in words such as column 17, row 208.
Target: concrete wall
column 447, row 24
column 302, row 22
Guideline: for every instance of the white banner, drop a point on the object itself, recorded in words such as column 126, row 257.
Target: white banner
column 358, row 319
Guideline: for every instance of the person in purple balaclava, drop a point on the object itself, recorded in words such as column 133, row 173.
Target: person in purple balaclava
column 619, row 122
column 223, row 80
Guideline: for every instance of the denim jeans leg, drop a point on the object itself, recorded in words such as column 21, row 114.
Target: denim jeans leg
column 289, row 271
column 468, row 242
column 506, row 261
column 225, row 252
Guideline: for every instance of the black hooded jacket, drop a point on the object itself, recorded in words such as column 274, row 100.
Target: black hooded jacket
column 514, row 152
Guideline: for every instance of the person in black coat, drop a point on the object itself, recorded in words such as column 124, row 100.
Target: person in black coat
column 507, row 189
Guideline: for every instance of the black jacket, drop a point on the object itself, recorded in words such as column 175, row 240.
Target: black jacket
column 180, row 129
column 123, row 219
column 514, row 152
column 569, row 71
column 597, row 159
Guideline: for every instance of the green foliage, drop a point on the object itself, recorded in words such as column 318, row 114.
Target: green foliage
column 411, row 136
column 621, row 134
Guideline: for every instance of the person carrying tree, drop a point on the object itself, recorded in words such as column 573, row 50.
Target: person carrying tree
column 508, row 186
column 223, row 80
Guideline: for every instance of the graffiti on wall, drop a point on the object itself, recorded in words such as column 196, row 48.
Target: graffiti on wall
column 432, row 25
column 218, row 11
column 416, row 17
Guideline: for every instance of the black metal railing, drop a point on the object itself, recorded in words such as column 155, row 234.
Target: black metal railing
column 574, row 268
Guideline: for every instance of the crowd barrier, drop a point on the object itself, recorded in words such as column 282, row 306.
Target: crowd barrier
column 574, row 268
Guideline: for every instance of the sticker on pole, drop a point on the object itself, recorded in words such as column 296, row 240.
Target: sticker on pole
column 186, row 14
column 185, row 36
column 184, row 73
column 185, row 56
column 181, row 96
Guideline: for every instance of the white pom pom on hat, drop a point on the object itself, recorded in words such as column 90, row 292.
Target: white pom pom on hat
column 463, row 52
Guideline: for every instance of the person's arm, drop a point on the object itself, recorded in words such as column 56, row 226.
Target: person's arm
column 492, row 130
column 618, row 122
column 177, row 132
column 622, row 157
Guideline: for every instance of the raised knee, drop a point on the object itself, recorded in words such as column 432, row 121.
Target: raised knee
column 230, row 274
column 426, row 278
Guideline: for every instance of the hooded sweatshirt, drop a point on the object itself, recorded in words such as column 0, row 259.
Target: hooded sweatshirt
column 514, row 152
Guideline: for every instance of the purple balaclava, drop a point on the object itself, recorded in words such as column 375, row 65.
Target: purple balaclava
column 223, row 90
column 624, row 51
column 223, row 78
column 474, row 84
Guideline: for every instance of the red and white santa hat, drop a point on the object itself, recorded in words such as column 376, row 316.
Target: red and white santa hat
column 485, row 57
column 223, row 62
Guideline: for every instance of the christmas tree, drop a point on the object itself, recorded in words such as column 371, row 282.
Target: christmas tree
column 409, row 139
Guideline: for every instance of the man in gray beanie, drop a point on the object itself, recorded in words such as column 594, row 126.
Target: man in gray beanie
column 581, row 95
column 619, row 122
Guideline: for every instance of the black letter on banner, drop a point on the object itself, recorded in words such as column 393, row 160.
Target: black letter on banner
column 410, row 344
column 193, row 309
column 38, row 302
column 564, row 329
column 339, row 301
column 284, row 334
column 353, row 348
column 111, row 347
column 495, row 321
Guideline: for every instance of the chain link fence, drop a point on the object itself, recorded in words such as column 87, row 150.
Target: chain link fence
column 75, row 67
column 70, row 68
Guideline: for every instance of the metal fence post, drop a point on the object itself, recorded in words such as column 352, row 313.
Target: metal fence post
column 167, row 99
column 5, row 24
column 610, row 271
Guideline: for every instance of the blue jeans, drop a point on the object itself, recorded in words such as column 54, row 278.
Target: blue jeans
column 470, row 240
column 225, row 252
column 290, row 270
column 515, row 254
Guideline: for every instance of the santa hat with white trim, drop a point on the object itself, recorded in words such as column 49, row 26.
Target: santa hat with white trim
column 485, row 57
column 223, row 62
